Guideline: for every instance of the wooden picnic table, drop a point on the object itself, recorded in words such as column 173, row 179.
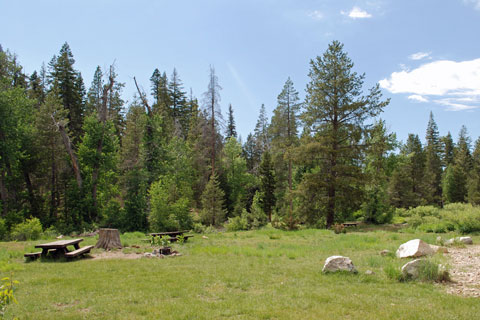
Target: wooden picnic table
column 171, row 233
column 60, row 249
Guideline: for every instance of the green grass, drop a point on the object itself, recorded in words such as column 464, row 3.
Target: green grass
column 264, row 274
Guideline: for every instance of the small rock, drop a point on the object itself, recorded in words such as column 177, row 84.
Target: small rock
column 369, row 272
column 204, row 237
column 414, row 248
column 60, row 236
column 148, row 255
column 384, row 253
column 440, row 249
column 439, row 240
column 339, row 263
column 155, row 251
column 449, row 242
column 465, row 240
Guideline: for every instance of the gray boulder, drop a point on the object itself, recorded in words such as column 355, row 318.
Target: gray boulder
column 339, row 263
column 465, row 240
column 411, row 269
column 414, row 248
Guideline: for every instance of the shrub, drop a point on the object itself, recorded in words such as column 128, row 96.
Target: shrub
column 339, row 228
column 237, row 224
column 198, row 228
column 31, row 229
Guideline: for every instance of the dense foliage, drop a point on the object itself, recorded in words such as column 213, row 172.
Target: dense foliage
column 73, row 159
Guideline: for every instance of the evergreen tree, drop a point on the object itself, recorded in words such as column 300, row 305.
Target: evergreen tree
column 134, row 173
column 231, row 129
column 94, row 95
column 213, row 212
column 212, row 108
column 335, row 114
column 474, row 176
column 267, row 184
column 448, row 146
column 178, row 99
column 433, row 165
column 69, row 85
column 456, row 175
column 376, row 207
column 235, row 168
column 283, row 132
column 406, row 187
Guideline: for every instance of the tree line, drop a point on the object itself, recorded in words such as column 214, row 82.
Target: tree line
column 77, row 159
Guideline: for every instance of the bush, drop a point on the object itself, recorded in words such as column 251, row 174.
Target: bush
column 31, row 229
column 460, row 217
column 237, row 224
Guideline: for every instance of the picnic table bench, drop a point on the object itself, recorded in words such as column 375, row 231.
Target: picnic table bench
column 173, row 235
column 59, row 248
column 351, row 224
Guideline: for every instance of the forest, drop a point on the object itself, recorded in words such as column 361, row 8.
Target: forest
column 74, row 158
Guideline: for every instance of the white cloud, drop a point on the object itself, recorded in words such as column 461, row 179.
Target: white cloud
column 357, row 13
column 448, row 83
column 475, row 3
column 316, row 14
column 418, row 98
column 419, row 55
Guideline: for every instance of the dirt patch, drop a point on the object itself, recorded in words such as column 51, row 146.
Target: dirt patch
column 465, row 271
column 115, row 255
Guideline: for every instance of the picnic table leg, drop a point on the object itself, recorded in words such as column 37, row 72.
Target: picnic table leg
column 44, row 252
column 77, row 246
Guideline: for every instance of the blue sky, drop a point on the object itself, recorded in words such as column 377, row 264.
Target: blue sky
column 424, row 53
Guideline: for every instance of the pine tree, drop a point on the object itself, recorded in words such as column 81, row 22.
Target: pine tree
column 231, row 129
column 235, row 168
column 448, row 146
column 283, row 132
column 456, row 175
column 69, row 85
column 335, row 114
column 94, row 95
column 212, row 108
column 433, row 166
column 178, row 99
column 267, row 184
column 213, row 212
column 379, row 143
column 474, row 176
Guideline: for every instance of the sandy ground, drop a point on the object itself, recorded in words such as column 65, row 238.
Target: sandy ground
column 117, row 254
column 464, row 271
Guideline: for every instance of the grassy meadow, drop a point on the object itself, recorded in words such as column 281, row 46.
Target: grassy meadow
column 262, row 274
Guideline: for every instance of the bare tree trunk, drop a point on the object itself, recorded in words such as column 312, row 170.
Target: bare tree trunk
column 103, row 120
column 68, row 146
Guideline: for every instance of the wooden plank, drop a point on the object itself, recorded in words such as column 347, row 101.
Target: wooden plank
column 58, row 244
column 78, row 252
column 33, row 255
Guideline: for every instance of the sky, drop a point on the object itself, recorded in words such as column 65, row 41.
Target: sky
column 425, row 54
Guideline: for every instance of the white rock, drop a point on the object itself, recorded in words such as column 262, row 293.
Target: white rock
column 449, row 242
column 440, row 249
column 339, row 263
column 414, row 248
column 465, row 240
column 410, row 269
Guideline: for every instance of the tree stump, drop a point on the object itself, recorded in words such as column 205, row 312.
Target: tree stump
column 108, row 239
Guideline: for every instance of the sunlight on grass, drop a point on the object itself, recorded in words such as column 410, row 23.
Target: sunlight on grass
column 260, row 274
